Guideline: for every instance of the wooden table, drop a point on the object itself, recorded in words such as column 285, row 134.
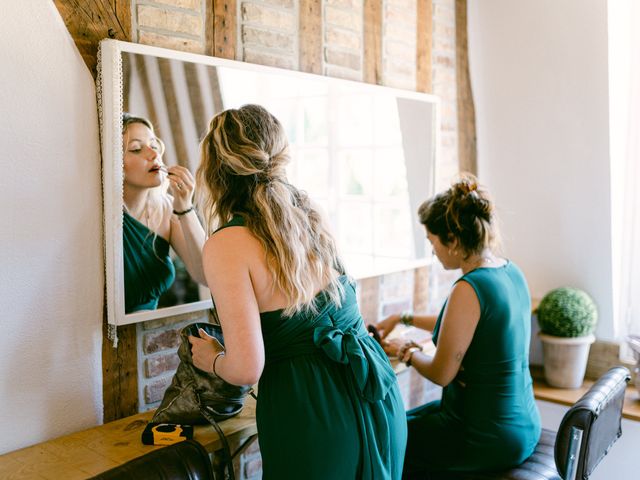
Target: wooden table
column 89, row 452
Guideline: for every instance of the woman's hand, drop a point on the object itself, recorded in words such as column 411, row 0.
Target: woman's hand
column 204, row 350
column 182, row 186
column 386, row 326
column 398, row 347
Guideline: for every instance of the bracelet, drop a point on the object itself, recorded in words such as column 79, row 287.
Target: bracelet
column 406, row 318
column 409, row 353
column 184, row 212
column 220, row 354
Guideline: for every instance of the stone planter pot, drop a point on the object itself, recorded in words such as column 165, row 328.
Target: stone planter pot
column 565, row 359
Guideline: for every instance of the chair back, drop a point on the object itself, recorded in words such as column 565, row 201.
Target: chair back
column 184, row 460
column 591, row 426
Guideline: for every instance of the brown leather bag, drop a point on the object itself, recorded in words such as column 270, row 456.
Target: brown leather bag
column 198, row 397
column 193, row 391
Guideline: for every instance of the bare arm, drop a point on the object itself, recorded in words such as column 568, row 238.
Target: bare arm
column 424, row 322
column 187, row 239
column 186, row 235
column 459, row 323
column 228, row 276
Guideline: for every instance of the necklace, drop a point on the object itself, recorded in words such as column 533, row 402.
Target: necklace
column 478, row 263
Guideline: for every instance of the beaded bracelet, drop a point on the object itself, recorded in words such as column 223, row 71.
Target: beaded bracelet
column 184, row 212
column 406, row 318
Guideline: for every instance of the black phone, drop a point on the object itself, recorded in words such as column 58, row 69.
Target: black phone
column 374, row 333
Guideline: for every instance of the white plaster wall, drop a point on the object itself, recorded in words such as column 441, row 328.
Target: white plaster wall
column 539, row 78
column 51, row 279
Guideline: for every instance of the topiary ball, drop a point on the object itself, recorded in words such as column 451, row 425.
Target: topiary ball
column 567, row 312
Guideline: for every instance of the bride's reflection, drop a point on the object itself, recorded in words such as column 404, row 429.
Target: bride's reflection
column 158, row 214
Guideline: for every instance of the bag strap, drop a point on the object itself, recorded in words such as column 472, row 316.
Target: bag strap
column 228, row 458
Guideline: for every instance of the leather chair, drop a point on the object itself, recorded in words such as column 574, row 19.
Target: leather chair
column 186, row 460
column 586, row 434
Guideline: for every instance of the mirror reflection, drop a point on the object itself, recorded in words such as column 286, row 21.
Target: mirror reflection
column 364, row 154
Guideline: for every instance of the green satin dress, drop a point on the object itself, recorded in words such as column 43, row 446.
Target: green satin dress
column 148, row 268
column 329, row 406
column 487, row 418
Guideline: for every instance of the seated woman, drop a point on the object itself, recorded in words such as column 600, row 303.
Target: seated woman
column 154, row 220
column 487, row 418
column 329, row 406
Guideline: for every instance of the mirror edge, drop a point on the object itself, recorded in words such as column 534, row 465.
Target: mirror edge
column 110, row 105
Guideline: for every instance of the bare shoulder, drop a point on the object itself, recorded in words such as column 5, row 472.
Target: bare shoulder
column 235, row 242
column 463, row 296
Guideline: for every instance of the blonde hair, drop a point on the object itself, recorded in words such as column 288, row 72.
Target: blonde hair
column 242, row 172
column 157, row 197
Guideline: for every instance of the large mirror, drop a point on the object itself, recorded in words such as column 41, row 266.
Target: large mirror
column 365, row 154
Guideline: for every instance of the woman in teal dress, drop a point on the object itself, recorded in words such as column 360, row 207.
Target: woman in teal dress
column 158, row 214
column 328, row 406
column 487, row 418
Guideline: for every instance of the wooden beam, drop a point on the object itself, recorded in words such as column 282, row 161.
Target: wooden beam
column 216, row 92
column 195, row 97
column 141, row 71
column 90, row 22
column 373, row 41
column 424, row 45
column 310, row 36
column 119, row 373
column 224, row 28
column 175, row 119
column 467, row 148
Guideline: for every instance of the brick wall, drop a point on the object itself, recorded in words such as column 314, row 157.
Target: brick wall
column 173, row 24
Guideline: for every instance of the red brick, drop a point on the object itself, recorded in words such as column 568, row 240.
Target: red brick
column 159, row 364
column 155, row 390
column 163, row 340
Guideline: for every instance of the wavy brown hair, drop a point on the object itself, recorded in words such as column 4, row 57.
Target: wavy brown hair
column 242, row 172
column 464, row 212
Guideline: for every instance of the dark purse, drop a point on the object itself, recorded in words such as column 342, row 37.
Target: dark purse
column 198, row 397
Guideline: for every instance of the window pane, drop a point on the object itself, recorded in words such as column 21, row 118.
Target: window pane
column 390, row 173
column 356, row 236
column 389, row 219
column 355, row 168
column 354, row 120
column 313, row 171
column 315, row 121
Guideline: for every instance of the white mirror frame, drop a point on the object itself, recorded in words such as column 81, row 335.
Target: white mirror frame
column 110, row 101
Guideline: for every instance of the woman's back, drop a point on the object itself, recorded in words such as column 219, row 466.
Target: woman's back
column 491, row 399
column 329, row 394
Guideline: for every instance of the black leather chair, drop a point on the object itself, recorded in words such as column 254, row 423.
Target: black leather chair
column 186, row 460
column 587, row 432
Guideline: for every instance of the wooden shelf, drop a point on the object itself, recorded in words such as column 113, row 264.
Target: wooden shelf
column 565, row 396
column 90, row 452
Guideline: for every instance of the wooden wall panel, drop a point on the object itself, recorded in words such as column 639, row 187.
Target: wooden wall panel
column 223, row 37
column 467, row 148
column 373, row 41
column 90, row 22
column 424, row 39
column 310, row 36
column 119, row 373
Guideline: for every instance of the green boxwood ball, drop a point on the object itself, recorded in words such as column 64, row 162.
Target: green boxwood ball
column 567, row 312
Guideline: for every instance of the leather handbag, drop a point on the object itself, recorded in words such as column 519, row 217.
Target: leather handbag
column 199, row 397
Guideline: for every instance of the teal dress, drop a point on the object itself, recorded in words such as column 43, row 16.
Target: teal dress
column 487, row 418
column 329, row 406
column 148, row 268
